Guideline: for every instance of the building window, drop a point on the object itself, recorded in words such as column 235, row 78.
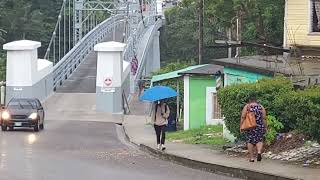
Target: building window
column 315, row 15
column 216, row 111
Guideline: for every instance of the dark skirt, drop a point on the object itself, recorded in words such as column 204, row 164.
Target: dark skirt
column 254, row 136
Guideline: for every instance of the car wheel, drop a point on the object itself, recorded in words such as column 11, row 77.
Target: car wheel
column 3, row 127
column 41, row 126
column 36, row 127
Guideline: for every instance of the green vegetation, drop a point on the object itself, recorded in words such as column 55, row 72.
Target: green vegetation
column 211, row 135
column 295, row 110
column 26, row 19
column 274, row 126
column 262, row 22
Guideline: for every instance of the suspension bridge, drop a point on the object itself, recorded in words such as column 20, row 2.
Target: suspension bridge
column 98, row 51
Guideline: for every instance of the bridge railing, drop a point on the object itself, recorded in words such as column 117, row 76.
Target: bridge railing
column 136, row 37
column 147, row 42
column 64, row 68
column 136, row 42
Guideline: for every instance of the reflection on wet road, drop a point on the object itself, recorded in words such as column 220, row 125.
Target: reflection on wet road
column 82, row 150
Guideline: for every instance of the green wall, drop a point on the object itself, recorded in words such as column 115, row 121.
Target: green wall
column 240, row 76
column 197, row 100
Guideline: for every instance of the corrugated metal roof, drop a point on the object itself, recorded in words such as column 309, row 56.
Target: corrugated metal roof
column 173, row 74
column 209, row 69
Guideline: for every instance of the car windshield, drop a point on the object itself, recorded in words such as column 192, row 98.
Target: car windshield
column 22, row 104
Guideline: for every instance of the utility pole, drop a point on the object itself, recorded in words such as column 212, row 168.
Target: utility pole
column 201, row 12
column 239, row 28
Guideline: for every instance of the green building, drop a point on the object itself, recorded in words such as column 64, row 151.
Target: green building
column 201, row 84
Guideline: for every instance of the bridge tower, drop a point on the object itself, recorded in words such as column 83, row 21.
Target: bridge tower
column 85, row 12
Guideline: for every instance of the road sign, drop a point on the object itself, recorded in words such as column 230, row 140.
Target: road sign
column 107, row 82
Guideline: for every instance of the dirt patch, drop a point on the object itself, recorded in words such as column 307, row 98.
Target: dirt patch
column 287, row 141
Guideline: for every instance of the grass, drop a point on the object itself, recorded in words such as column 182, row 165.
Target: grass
column 211, row 135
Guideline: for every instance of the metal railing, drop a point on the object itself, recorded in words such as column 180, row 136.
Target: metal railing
column 136, row 37
column 64, row 68
column 136, row 42
column 157, row 25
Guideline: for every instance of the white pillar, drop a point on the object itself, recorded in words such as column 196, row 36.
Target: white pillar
column 109, row 77
column 27, row 76
column 22, row 59
column 186, row 106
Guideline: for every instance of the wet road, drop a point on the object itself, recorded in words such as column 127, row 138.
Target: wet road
column 75, row 150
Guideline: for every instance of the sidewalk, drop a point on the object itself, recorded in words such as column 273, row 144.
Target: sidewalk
column 142, row 134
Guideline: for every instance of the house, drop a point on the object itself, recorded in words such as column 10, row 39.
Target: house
column 200, row 88
column 200, row 96
column 302, row 26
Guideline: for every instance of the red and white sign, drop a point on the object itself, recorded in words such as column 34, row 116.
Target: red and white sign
column 107, row 82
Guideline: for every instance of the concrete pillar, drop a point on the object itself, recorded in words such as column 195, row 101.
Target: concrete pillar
column 149, row 60
column 153, row 55
column 109, row 77
column 156, row 51
column 27, row 76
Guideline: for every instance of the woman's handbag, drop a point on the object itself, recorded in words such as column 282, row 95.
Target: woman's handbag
column 250, row 121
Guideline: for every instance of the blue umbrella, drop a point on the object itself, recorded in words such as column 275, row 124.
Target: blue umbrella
column 157, row 93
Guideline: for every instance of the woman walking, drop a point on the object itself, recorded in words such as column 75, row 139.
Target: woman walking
column 160, row 119
column 255, row 136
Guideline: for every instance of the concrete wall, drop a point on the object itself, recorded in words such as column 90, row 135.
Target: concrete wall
column 41, row 90
column 297, row 26
column 197, row 101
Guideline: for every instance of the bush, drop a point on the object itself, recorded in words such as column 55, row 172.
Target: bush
column 309, row 123
column 234, row 97
column 295, row 110
column 274, row 126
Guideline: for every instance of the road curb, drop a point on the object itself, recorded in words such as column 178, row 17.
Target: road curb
column 214, row 168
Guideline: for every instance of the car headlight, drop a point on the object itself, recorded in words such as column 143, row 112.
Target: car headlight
column 5, row 115
column 33, row 116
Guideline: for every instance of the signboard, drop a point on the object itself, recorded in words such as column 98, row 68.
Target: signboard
column 107, row 85
column 107, row 82
column 17, row 89
column 108, row 90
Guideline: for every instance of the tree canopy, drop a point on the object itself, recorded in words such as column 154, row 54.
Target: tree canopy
column 262, row 22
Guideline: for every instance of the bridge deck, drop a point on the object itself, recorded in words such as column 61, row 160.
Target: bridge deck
column 76, row 98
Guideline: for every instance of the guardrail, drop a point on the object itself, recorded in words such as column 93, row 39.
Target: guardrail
column 134, row 42
column 67, row 65
column 135, row 38
column 157, row 25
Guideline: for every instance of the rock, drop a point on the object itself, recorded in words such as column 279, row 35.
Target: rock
column 309, row 161
column 316, row 145
column 289, row 136
column 306, row 165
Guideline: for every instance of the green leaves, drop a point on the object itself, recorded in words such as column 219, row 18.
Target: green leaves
column 274, row 126
column 287, row 109
column 262, row 22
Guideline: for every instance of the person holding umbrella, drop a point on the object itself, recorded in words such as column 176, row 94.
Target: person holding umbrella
column 160, row 110
column 160, row 115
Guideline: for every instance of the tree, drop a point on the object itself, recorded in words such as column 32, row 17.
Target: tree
column 179, row 37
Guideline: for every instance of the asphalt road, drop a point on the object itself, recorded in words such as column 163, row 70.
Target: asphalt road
column 74, row 150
